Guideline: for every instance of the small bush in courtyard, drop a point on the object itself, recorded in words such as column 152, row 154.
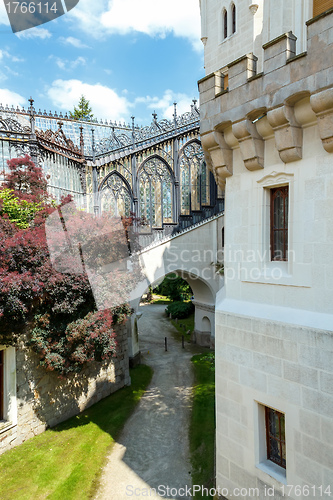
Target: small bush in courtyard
column 180, row 310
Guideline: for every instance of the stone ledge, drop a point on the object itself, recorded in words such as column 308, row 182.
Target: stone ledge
column 320, row 16
column 6, row 426
column 298, row 56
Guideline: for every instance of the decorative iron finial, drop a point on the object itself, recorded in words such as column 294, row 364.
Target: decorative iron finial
column 154, row 116
column 31, row 108
column 175, row 114
column 81, row 140
column 60, row 124
column 93, row 143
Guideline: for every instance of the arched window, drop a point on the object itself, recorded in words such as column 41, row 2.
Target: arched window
column 225, row 24
column 156, row 186
column 233, row 17
column 194, row 179
column 115, row 196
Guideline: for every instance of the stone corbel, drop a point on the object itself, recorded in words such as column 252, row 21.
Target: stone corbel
column 220, row 155
column 322, row 105
column 287, row 132
column 250, row 143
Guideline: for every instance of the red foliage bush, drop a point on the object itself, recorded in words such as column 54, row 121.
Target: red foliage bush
column 58, row 309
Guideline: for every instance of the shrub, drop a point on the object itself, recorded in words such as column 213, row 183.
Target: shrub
column 180, row 310
column 87, row 339
column 57, row 308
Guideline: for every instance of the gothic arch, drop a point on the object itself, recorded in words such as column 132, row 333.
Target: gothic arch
column 156, row 183
column 224, row 18
column 233, row 14
column 116, row 195
column 194, row 177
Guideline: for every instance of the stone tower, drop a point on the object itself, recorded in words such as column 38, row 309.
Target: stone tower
column 267, row 130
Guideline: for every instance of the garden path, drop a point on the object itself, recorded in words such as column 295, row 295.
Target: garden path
column 153, row 449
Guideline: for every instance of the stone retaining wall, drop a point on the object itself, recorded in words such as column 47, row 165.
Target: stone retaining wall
column 44, row 400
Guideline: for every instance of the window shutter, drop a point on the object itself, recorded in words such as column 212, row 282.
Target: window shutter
column 320, row 6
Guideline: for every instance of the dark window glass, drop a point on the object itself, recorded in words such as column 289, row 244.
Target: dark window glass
column 225, row 24
column 233, row 15
column 279, row 223
column 275, row 436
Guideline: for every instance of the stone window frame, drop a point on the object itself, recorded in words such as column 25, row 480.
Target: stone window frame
column 227, row 22
column 9, row 388
column 263, row 463
column 268, row 271
column 259, row 268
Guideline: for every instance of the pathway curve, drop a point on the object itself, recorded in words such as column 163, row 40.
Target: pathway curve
column 153, row 449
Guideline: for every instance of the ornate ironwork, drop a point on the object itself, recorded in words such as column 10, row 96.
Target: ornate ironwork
column 153, row 133
column 57, row 142
column 156, row 171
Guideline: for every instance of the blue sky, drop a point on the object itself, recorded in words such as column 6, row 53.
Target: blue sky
column 128, row 57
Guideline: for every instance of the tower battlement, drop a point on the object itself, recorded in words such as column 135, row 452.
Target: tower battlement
column 292, row 91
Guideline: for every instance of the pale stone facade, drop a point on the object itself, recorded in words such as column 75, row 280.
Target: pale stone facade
column 193, row 254
column 273, row 126
column 36, row 399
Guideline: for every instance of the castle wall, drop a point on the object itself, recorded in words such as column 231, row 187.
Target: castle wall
column 274, row 319
column 256, row 24
column 283, row 366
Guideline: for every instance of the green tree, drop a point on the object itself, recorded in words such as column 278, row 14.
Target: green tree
column 82, row 111
column 20, row 212
column 175, row 288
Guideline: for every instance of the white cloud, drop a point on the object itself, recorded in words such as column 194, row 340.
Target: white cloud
column 152, row 17
column 41, row 33
column 105, row 102
column 11, row 98
column 75, row 42
column 164, row 106
column 5, row 54
column 65, row 64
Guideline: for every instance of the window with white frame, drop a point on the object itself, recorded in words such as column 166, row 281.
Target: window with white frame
column 8, row 405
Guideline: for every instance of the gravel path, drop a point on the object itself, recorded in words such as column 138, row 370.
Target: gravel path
column 153, row 449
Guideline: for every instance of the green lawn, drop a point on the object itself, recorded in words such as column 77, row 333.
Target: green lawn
column 160, row 299
column 65, row 462
column 202, row 425
column 182, row 326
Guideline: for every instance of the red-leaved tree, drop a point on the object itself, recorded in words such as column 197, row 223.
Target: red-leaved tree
column 57, row 310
